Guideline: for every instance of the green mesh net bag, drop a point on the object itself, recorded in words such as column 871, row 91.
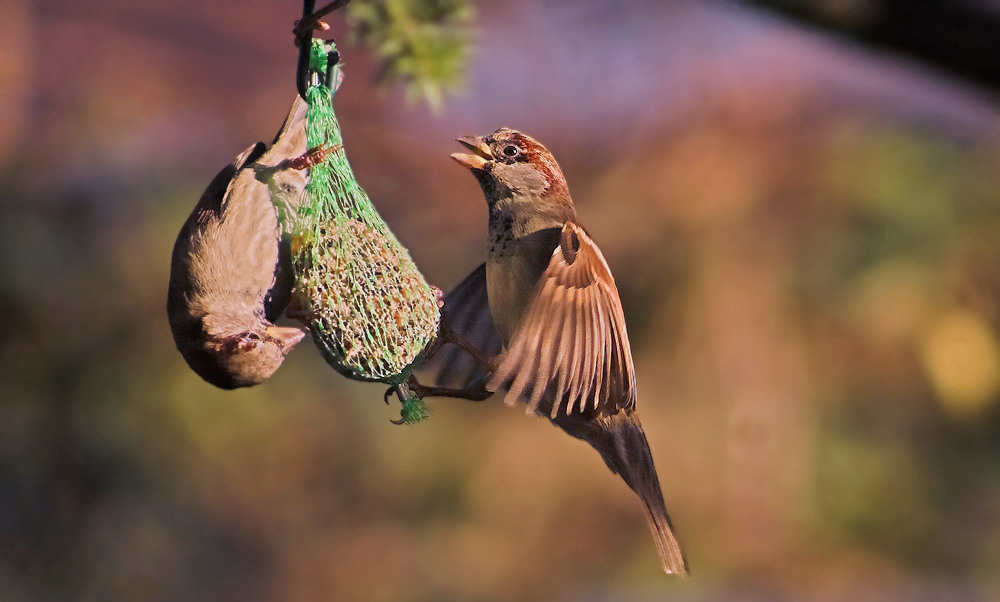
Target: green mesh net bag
column 370, row 311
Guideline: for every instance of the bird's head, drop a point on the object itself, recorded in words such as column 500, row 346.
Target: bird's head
column 240, row 359
column 508, row 163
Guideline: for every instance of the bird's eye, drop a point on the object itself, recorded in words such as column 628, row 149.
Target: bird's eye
column 511, row 151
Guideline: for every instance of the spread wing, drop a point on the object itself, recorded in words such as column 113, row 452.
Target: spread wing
column 467, row 312
column 570, row 353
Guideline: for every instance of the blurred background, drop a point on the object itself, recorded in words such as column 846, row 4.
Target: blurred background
column 805, row 230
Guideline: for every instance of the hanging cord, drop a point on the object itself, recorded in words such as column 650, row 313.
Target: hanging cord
column 303, row 30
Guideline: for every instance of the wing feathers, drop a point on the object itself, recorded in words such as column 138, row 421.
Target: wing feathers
column 570, row 348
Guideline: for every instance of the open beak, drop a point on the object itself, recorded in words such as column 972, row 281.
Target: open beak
column 476, row 145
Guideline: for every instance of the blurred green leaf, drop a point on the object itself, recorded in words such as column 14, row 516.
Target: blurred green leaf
column 423, row 44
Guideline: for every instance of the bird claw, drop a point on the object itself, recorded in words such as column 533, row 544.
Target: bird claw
column 417, row 390
column 312, row 157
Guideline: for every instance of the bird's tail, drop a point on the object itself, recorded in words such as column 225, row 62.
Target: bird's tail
column 622, row 443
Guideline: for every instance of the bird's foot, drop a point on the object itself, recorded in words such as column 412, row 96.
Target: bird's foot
column 411, row 394
column 310, row 158
column 475, row 392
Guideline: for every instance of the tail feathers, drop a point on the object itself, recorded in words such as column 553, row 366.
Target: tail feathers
column 622, row 443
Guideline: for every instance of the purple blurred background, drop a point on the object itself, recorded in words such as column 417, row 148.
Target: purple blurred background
column 806, row 236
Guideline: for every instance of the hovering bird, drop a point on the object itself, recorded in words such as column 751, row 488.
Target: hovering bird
column 557, row 317
column 230, row 273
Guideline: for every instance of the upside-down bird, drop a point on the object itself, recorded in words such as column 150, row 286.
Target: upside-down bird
column 230, row 272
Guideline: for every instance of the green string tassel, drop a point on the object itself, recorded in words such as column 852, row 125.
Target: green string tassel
column 414, row 410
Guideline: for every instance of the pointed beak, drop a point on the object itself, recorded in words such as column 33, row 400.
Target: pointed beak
column 287, row 336
column 475, row 144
